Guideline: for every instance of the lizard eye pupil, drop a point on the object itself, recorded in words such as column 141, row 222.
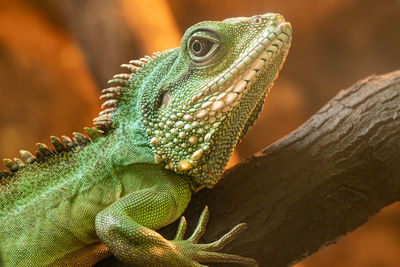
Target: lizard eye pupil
column 200, row 47
column 197, row 46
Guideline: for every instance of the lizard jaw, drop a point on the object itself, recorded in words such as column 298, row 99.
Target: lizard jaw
column 225, row 94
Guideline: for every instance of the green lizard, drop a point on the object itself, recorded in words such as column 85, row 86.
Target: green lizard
column 167, row 129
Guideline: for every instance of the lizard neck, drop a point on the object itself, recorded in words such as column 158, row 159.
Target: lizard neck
column 129, row 145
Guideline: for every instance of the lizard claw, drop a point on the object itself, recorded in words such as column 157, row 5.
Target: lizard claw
column 206, row 252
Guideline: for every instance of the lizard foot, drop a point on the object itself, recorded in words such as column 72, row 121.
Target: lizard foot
column 206, row 252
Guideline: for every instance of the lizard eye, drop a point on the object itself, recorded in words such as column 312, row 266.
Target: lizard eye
column 202, row 46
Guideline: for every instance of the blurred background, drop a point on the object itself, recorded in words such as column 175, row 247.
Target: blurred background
column 56, row 56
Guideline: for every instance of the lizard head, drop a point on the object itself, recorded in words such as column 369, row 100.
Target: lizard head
column 199, row 99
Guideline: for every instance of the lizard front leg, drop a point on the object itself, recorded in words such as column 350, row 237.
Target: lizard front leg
column 127, row 226
column 127, row 229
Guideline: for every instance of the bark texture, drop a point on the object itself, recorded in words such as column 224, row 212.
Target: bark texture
column 316, row 184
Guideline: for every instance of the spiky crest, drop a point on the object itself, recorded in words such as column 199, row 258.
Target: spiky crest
column 102, row 122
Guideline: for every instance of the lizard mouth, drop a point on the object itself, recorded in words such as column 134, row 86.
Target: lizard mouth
column 230, row 101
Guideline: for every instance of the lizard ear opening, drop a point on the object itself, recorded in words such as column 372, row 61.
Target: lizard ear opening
column 165, row 100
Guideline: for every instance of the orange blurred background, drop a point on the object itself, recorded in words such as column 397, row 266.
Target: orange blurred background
column 55, row 56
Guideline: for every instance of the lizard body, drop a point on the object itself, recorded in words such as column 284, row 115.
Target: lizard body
column 168, row 128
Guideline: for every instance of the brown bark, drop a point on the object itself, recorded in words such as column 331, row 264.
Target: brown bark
column 316, row 184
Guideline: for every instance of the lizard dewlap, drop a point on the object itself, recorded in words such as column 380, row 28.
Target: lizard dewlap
column 167, row 127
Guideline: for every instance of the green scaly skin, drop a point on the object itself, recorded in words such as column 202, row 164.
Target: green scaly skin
column 169, row 129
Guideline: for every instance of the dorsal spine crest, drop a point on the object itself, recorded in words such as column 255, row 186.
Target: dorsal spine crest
column 103, row 124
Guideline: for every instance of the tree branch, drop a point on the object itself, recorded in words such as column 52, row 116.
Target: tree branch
column 316, row 184
column 313, row 186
